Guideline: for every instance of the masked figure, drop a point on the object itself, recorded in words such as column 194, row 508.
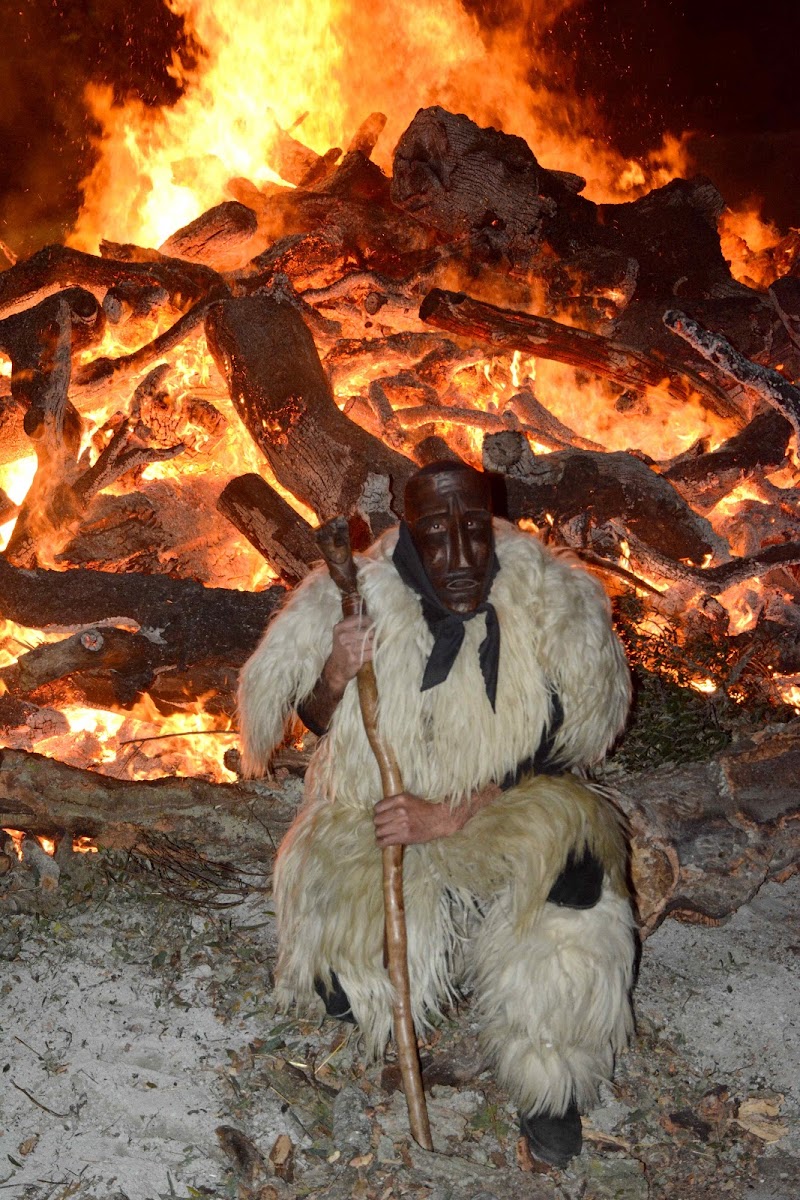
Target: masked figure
column 499, row 675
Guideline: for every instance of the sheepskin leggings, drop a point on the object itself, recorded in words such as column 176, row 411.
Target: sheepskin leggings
column 527, row 903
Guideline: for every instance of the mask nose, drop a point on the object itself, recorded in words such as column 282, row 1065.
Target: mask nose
column 461, row 556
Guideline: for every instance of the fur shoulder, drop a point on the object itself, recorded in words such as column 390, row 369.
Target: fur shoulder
column 284, row 668
column 576, row 643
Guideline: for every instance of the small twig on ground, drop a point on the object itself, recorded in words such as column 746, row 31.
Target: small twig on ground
column 33, row 1100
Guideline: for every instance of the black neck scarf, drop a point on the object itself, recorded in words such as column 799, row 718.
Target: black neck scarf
column 446, row 626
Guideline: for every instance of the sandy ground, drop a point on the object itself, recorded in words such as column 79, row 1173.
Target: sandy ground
column 136, row 1032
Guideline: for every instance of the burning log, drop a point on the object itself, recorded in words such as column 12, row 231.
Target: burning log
column 760, row 383
column 128, row 300
column 62, row 267
column 100, row 649
column 594, row 285
column 60, row 494
column 505, row 330
column 102, row 371
column 37, row 722
column 382, row 355
column 759, row 448
column 41, row 796
column 711, row 581
column 271, row 525
column 222, row 238
column 353, row 206
column 278, row 386
column 40, row 343
column 14, row 443
column 191, row 623
column 367, row 134
column 290, row 158
column 595, row 489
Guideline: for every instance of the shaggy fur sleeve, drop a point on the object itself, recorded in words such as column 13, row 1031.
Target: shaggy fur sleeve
column 585, row 661
column 283, row 670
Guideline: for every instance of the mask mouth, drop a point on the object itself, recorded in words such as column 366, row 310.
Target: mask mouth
column 458, row 584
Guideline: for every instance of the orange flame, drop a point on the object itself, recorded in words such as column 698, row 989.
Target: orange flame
column 328, row 65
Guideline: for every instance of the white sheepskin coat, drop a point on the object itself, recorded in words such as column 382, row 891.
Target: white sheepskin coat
column 555, row 629
column 551, row 985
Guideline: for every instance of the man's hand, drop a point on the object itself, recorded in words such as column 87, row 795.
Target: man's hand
column 407, row 820
column 352, row 647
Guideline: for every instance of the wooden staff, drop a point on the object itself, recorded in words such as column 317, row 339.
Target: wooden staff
column 334, row 542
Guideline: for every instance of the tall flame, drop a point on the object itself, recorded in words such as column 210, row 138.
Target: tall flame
column 328, row 65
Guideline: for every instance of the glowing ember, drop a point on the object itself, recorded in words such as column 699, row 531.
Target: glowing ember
column 789, row 689
column 708, row 686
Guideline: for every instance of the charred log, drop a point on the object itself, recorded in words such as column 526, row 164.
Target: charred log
column 131, row 656
column 199, row 624
column 223, row 237
column 61, row 492
column 373, row 236
column 61, row 267
column 367, row 134
column 596, row 489
column 40, row 342
column 760, row 383
column 463, row 180
column 102, row 371
column 759, row 448
column 289, row 157
column 271, row 525
column 505, row 330
column 129, row 300
column 278, row 386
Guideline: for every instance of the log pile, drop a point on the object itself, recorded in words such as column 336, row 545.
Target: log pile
column 339, row 332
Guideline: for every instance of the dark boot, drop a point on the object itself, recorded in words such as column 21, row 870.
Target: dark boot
column 335, row 999
column 554, row 1140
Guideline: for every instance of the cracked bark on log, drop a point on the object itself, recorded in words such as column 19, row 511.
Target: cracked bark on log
column 268, row 357
column 271, row 525
column 222, row 238
column 599, row 488
column 462, row 179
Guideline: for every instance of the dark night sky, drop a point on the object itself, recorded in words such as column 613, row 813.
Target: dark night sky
column 726, row 70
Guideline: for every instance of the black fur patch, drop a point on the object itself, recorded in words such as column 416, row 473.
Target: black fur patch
column 580, row 883
column 335, row 1001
